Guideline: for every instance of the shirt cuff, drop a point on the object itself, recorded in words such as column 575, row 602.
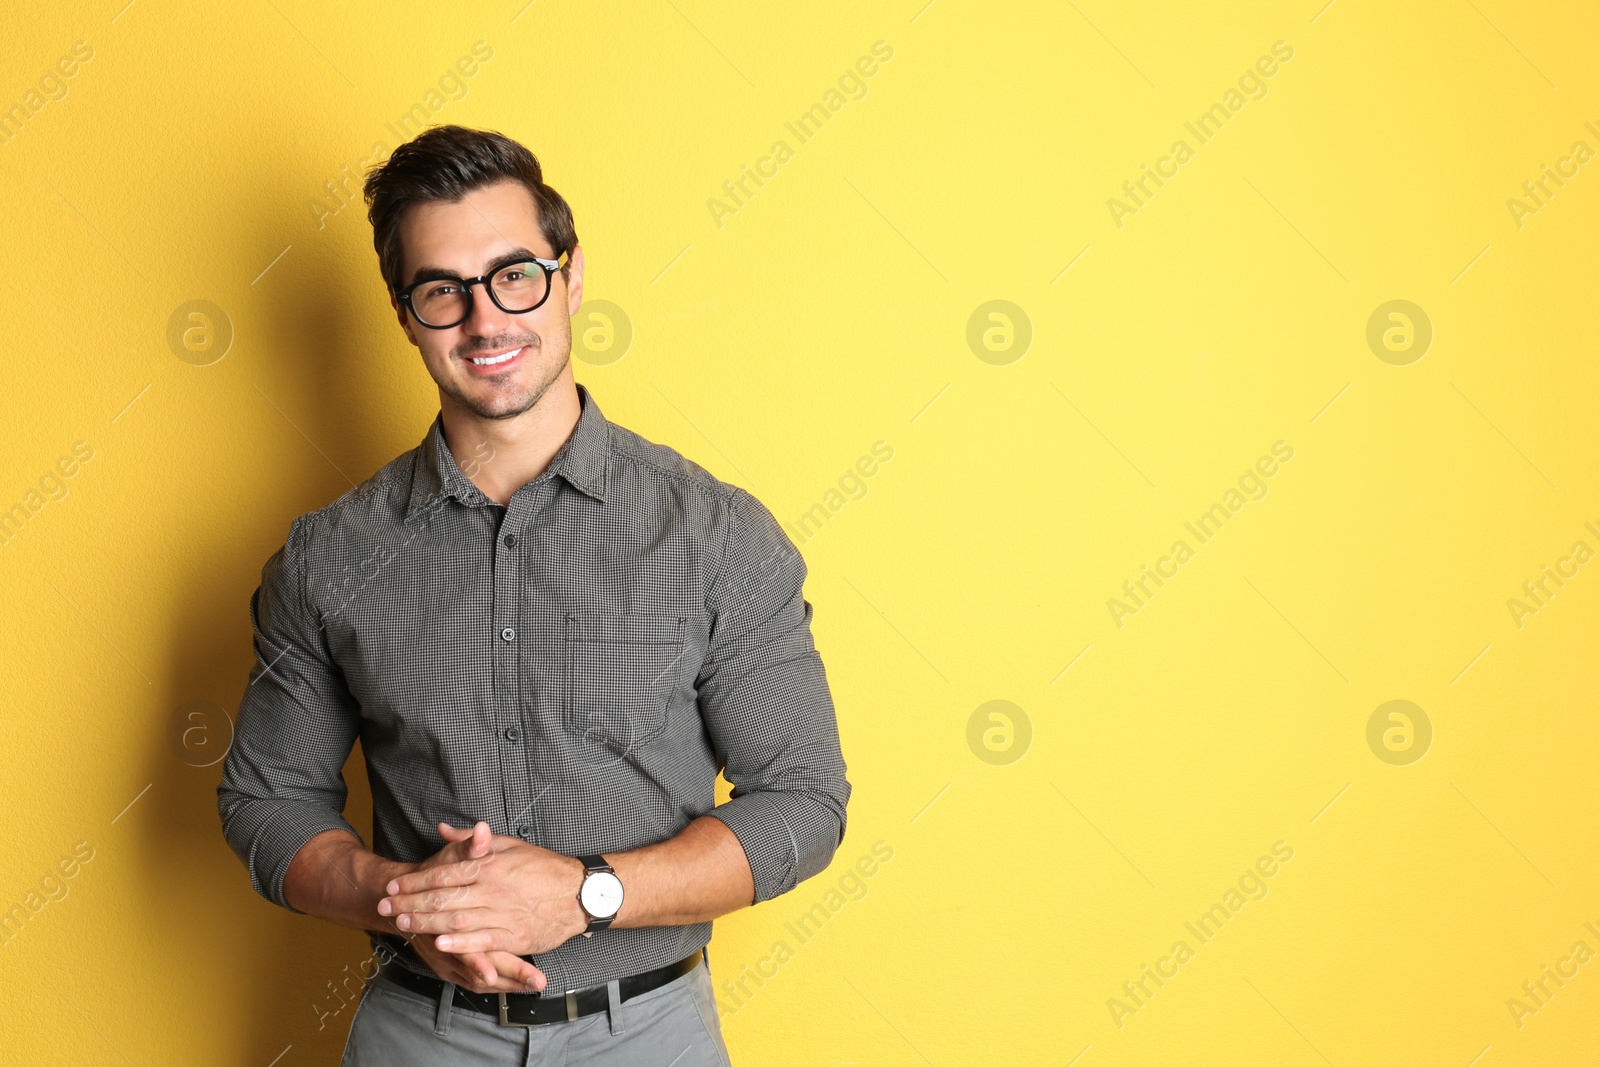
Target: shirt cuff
column 268, row 835
column 787, row 837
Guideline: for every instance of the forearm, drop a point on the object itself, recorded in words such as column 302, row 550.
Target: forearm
column 693, row 877
column 333, row 877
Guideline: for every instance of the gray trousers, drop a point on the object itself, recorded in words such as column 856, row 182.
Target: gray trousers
column 674, row 1025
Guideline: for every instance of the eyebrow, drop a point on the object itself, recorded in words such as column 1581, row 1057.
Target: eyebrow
column 433, row 274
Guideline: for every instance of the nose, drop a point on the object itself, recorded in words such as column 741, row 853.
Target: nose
column 486, row 318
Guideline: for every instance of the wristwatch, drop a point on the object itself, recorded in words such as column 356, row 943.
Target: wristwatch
column 600, row 895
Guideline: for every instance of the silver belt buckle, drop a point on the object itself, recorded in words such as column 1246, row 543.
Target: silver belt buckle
column 572, row 1010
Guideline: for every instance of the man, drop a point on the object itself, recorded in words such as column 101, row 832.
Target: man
column 549, row 634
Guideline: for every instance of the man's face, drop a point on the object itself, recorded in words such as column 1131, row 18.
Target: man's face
column 464, row 239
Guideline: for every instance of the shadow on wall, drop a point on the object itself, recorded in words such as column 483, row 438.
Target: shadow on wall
column 319, row 361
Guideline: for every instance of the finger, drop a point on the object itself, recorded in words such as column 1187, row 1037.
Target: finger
column 507, row 973
column 448, row 898
column 518, row 971
column 478, row 843
column 452, row 968
column 468, row 970
column 447, row 922
column 479, row 939
column 504, row 984
column 463, row 848
column 476, row 840
column 445, row 874
column 512, row 974
column 479, row 968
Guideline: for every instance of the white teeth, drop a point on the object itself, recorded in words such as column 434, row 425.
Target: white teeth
column 489, row 361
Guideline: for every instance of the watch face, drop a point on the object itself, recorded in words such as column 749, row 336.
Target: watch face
column 601, row 895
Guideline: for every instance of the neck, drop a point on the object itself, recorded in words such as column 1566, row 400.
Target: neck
column 500, row 456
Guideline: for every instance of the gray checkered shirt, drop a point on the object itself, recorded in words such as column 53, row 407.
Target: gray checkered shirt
column 573, row 668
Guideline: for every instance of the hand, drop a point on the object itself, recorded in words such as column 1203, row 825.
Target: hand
column 480, row 972
column 519, row 898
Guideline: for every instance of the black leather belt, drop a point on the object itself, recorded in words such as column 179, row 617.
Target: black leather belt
column 535, row 1009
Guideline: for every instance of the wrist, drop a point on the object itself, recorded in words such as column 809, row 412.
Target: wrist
column 373, row 873
column 578, row 919
column 333, row 877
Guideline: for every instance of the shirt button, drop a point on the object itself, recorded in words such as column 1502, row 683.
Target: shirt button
column 513, row 733
column 524, row 830
column 511, row 539
column 508, row 634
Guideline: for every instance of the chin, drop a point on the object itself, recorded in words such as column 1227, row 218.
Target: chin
column 499, row 406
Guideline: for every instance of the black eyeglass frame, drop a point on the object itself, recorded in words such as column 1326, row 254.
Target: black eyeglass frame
column 549, row 266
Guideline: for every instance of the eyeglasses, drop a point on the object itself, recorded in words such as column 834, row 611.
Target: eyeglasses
column 516, row 288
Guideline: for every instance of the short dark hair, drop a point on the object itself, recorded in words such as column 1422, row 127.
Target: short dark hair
column 445, row 163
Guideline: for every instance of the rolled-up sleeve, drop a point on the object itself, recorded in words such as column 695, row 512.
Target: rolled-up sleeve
column 283, row 777
column 765, row 700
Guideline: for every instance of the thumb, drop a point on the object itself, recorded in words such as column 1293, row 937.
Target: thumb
column 519, row 970
column 482, row 967
column 451, row 834
column 482, row 837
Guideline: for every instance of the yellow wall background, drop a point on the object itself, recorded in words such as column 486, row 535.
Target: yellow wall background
column 1143, row 762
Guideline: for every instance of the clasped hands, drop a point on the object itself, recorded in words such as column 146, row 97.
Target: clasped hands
column 488, row 900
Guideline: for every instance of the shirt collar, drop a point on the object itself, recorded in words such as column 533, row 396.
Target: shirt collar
column 581, row 460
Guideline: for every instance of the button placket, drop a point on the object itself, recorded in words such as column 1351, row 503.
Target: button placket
column 511, row 743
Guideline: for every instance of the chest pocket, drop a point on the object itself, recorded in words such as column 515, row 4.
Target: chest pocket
column 621, row 673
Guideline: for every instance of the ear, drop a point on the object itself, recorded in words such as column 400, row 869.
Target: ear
column 574, row 280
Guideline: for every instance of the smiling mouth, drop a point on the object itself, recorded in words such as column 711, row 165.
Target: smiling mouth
column 489, row 361
column 497, row 359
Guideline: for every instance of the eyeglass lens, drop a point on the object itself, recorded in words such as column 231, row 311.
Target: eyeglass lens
column 518, row 287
